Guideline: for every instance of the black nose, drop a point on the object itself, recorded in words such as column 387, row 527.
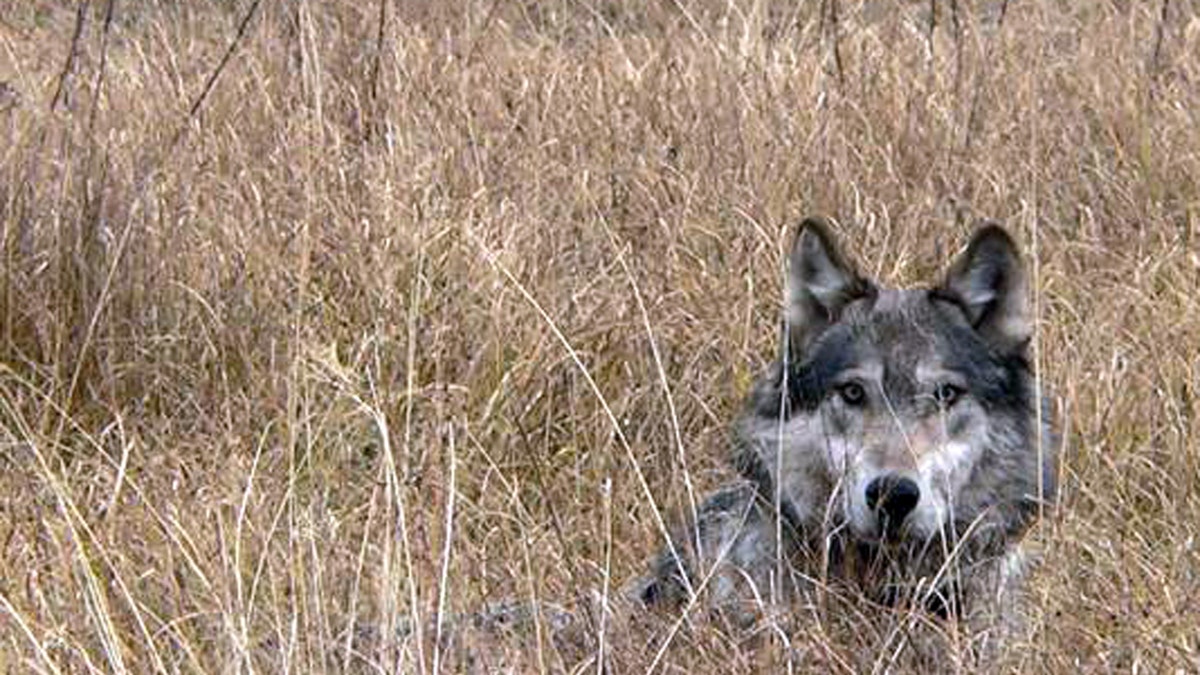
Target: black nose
column 893, row 496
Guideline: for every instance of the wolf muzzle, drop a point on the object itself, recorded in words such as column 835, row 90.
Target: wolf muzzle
column 892, row 497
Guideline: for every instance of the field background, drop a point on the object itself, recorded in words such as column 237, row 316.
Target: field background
column 315, row 320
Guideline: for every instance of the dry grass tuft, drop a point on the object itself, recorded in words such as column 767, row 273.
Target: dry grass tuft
column 394, row 319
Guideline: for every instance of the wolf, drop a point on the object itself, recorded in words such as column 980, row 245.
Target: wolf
column 897, row 448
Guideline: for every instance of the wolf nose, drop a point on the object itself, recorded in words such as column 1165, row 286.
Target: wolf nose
column 893, row 496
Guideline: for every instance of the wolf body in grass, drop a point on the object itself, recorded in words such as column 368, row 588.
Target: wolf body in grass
column 897, row 449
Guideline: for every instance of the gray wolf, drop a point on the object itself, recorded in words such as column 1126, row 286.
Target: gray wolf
column 897, row 448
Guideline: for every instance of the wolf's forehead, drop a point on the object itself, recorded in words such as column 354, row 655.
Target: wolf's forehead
column 901, row 331
column 892, row 300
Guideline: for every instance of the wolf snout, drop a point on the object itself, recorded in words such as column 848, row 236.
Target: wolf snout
column 892, row 497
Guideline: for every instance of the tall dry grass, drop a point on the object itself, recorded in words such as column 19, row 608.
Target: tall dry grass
column 321, row 323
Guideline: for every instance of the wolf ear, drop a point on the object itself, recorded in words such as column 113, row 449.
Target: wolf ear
column 988, row 283
column 820, row 284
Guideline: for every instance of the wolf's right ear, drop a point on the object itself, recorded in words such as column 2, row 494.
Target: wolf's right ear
column 987, row 282
column 820, row 285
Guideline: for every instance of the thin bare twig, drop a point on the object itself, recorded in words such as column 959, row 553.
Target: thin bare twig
column 956, row 26
column 1159, row 30
column 109, row 11
column 835, row 32
column 212, row 78
column 375, row 65
column 933, row 21
column 60, row 91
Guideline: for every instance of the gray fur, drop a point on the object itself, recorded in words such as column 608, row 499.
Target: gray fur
column 947, row 399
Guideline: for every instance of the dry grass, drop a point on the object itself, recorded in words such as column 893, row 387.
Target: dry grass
column 374, row 332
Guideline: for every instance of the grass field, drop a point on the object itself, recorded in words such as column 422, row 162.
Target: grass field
column 318, row 321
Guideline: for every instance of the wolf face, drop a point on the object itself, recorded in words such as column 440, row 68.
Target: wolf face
column 903, row 415
column 896, row 432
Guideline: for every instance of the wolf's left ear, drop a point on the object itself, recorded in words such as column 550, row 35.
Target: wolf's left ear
column 988, row 283
column 820, row 285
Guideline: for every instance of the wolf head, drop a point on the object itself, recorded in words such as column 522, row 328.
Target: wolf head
column 901, row 416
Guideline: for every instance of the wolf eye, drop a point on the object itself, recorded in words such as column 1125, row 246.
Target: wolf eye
column 852, row 394
column 947, row 394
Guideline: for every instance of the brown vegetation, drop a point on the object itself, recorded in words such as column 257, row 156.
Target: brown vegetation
column 395, row 313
